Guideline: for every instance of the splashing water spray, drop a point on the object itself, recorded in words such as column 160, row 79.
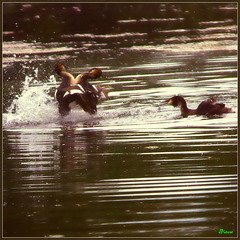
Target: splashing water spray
column 34, row 105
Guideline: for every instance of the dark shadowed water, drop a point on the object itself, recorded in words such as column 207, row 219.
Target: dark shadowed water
column 136, row 168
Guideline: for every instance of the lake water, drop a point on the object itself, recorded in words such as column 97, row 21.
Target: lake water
column 136, row 168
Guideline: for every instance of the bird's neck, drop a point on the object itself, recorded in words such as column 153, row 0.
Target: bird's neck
column 183, row 105
column 83, row 78
column 185, row 111
column 67, row 79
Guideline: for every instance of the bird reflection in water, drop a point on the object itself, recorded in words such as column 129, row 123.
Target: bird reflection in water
column 78, row 148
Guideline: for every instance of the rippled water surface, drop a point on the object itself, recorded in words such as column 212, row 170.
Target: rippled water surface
column 136, row 168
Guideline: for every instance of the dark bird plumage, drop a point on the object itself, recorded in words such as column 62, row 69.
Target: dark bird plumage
column 78, row 91
column 208, row 107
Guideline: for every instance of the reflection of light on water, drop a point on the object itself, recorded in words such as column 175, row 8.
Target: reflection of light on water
column 172, row 186
column 23, row 48
column 37, row 145
column 190, row 47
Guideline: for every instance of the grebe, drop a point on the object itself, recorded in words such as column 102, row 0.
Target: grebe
column 78, row 91
column 208, row 107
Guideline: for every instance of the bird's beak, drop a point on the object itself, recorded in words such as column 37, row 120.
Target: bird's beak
column 169, row 101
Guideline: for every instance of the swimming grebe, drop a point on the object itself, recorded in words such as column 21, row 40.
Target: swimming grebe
column 78, row 90
column 208, row 107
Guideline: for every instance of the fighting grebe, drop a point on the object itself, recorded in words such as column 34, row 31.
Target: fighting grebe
column 78, row 90
column 208, row 107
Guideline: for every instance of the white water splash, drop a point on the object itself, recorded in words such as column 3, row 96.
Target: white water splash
column 35, row 105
